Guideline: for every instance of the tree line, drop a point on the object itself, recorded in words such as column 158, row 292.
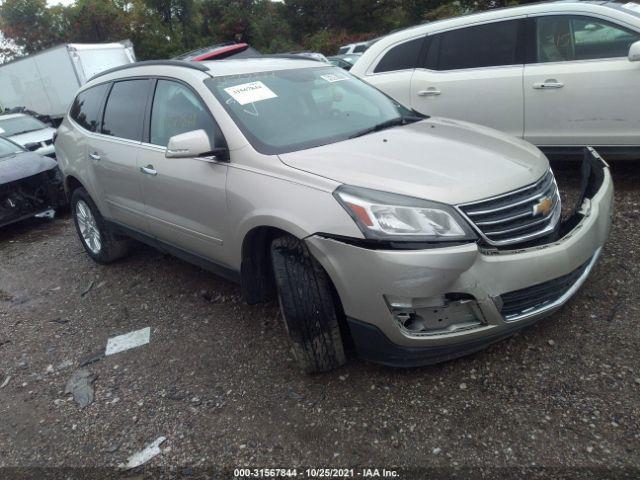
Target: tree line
column 165, row 28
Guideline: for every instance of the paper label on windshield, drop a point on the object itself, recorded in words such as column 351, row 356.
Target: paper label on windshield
column 250, row 92
column 334, row 77
column 632, row 6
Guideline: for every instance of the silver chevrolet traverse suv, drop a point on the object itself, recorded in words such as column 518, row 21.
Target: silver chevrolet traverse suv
column 410, row 239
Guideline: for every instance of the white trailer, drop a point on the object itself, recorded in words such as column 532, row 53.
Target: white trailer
column 46, row 82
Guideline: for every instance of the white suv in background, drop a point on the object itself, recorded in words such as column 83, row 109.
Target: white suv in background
column 560, row 75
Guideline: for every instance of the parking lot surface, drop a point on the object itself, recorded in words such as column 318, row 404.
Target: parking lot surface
column 217, row 378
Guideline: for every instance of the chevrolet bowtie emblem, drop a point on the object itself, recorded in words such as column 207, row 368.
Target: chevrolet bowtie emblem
column 543, row 207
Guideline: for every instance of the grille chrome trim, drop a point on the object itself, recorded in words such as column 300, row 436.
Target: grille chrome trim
column 514, row 212
column 546, row 305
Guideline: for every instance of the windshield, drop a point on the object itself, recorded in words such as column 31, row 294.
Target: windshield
column 8, row 149
column 288, row 110
column 17, row 125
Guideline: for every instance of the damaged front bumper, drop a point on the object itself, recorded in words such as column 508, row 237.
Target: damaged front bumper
column 415, row 307
column 29, row 196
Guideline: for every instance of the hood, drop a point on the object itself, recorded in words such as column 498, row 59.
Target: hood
column 23, row 165
column 436, row 159
column 36, row 136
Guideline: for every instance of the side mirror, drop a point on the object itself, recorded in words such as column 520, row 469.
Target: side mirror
column 634, row 52
column 194, row 144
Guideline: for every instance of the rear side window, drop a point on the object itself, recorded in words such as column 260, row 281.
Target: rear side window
column 124, row 111
column 562, row 38
column 176, row 110
column 85, row 110
column 490, row 45
column 401, row 57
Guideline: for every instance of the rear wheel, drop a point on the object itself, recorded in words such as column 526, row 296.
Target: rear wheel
column 97, row 239
column 307, row 305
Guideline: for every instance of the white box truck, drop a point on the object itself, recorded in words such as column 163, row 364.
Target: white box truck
column 46, row 82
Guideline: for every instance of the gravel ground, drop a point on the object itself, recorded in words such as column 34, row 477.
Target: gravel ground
column 219, row 382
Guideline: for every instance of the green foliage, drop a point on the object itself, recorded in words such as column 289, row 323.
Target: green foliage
column 30, row 24
column 165, row 28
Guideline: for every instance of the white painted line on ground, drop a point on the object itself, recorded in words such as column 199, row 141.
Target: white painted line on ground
column 128, row 340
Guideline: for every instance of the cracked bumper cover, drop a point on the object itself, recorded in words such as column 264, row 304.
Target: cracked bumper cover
column 363, row 277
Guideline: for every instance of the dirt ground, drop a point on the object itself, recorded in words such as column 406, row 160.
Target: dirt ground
column 219, row 382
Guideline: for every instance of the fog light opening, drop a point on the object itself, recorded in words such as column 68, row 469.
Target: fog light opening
column 434, row 315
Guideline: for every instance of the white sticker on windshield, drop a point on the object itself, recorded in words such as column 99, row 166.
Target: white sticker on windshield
column 250, row 92
column 334, row 77
column 632, row 6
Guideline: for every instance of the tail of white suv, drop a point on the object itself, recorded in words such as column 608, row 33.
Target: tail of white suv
column 561, row 75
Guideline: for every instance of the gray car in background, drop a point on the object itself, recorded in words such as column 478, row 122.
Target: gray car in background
column 412, row 239
column 28, row 131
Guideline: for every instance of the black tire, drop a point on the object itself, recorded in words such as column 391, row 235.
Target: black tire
column 113, row 247
column 307, row 305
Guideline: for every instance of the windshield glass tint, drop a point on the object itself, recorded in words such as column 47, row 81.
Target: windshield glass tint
column 18, row 125
column 288, row 110
column 8, row 148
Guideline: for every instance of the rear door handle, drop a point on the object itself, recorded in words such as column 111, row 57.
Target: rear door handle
column 429, row 92
column 94, row 156
column 548, row 84
column 149, row 170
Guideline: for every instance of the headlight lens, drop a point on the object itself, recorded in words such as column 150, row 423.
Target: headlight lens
column 388, row 216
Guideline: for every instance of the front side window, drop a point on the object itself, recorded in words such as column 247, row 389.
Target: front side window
column 176, row 110
column 8, row 149
column 287, row 110
column 21, row 124
column 124, row 111
column 85, row 110
column 401, row 57
column 489, row 45
column 562, row 38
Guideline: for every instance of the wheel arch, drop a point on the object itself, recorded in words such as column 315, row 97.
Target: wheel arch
column 71, row 183
column 256, row 271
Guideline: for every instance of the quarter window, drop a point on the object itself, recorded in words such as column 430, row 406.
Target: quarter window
column 489, row 45
column 401, row 57
column 562, row 38
column 124, row 112
column 176, row 110
column 85, row 110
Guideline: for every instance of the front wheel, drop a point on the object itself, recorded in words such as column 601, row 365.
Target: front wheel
column 98, row 240
column 307, row 306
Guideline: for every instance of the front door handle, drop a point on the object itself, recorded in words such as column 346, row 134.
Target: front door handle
column 548, row 84
column 149, row 170
column 429, row 92
column 94, row 156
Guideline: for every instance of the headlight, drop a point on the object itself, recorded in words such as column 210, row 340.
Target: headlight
column 388, row 216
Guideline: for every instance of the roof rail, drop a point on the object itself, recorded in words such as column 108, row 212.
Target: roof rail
column 174, row 63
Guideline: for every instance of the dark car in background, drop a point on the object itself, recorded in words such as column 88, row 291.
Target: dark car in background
column 220, row 52
column 30, row 184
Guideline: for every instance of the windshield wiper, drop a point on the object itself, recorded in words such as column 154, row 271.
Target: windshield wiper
column 25, row 131
column 403, row 120
column 380, row 126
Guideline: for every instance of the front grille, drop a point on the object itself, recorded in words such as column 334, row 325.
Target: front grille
column 517, row 216
column 538, row 296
